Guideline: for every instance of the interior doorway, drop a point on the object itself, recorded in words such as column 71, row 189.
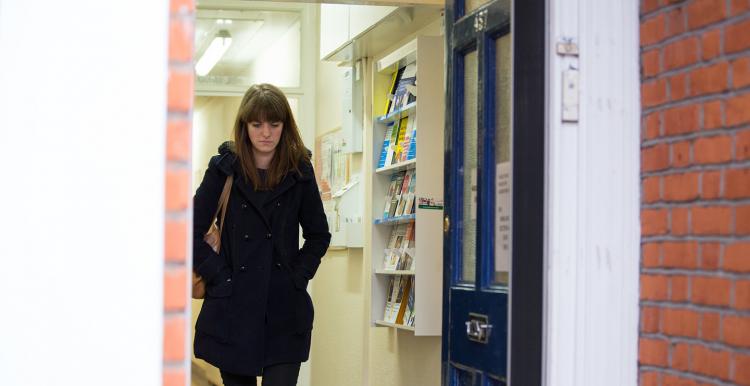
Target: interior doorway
column 215, row 102
column 237, row 44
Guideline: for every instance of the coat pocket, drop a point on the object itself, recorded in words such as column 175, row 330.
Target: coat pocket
column 305, row 311
column 213, row 318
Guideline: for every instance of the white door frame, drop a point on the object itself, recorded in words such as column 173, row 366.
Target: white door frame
column 593, row 196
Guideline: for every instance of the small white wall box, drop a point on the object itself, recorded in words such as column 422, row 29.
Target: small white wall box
column 351, row 122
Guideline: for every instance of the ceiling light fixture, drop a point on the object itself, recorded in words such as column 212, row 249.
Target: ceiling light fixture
column 213, row 53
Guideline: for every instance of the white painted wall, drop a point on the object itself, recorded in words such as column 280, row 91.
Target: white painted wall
column 593, row 198
column 82, row 127
column 280, row 63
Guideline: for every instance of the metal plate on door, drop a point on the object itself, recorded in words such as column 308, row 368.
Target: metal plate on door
column 478, row 328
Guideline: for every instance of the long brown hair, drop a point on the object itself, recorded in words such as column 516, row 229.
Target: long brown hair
column 267, row 103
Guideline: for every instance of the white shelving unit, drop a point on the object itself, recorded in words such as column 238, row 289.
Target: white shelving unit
column 428, row 111
column 392, row 272
column 390, row 169
column 394, row 325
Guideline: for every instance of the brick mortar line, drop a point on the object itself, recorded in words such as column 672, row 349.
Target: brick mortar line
column 175, row 314
column 742, row 164
column 702, row 63
column 179, row 215
column 172, row 215
column 724, row 96
column 691, row 204
column 174, row 266
column 701, row 239
column 723, row 23
column 716, row 345
column 695, row 307
column 181, row 66
column 183, row 14
column 695, row 273
column 702, row 133
column 702, row 203
column 720, row 239
column 695, row 169
column 180, row 115
column 182, row 311
column 174, row 365
column 687, row 375
column 660, row 9
column 175, row 165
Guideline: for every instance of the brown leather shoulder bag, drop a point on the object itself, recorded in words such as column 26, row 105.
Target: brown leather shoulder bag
column 213, row 236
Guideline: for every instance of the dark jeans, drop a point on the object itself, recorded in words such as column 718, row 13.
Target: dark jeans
column 284, row 374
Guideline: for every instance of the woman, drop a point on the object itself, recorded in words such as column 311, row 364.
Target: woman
column 257, row 317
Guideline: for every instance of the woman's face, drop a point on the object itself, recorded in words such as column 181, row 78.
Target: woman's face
column 264, row 136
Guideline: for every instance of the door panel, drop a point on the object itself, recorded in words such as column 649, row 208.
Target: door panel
column 486, row 358
column 464, row 377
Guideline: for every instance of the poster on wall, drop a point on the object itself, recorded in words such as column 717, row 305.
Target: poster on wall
column 332, row 171
column 331, row 163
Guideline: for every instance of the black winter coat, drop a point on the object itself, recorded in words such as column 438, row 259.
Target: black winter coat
column 257, row 311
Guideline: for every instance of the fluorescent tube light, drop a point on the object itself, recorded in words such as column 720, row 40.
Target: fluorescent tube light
column 213, row 53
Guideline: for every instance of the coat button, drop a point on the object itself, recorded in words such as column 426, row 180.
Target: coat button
column 229, row 280
column 278, row 265
column 244, row 206
column 268, row 235
column 278, row 204
column 243, row 268
column 246, row 237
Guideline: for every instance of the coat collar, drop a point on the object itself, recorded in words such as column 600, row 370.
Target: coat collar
column 229, row 163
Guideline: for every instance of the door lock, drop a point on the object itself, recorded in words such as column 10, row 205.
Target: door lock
column 477, row 328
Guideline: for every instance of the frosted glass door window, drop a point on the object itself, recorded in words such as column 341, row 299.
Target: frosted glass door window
column 470, row 164
column 474, row 4
column 503, row 160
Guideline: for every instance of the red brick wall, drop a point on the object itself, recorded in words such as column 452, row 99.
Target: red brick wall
column 177, row 200
column 695, row 211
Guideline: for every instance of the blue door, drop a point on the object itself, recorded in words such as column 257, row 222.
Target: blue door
column 494, row 190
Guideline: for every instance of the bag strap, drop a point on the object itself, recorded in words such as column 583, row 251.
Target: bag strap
column 223, row 203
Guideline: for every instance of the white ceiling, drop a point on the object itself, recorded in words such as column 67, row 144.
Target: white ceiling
column 252, row 31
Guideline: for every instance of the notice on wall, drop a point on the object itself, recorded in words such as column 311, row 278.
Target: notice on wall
column 331, row 163
column 332, row 168
column 473, row 201
column 503, row 211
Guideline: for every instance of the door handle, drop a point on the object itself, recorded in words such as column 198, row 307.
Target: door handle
column 446, row 224
column 477, row 328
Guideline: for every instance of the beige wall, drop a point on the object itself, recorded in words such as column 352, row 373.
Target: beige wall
column 213, row 119
column 337, row 290
column 346, row 349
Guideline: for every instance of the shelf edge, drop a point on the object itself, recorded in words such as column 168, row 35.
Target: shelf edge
column 394, row 325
